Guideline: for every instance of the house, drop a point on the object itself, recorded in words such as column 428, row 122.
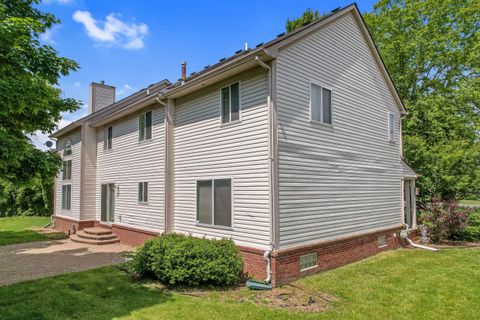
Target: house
column 293, row 149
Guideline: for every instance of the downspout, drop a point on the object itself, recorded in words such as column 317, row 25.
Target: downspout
column 267, row 256
column 404, row 235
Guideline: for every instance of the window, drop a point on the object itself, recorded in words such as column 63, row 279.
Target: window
column 143, row 192
column 214, row 202
column 66, row 196
column 382, row 241
column 308, row 261
column 145, row 126
column 67, row 149
column 230, row 103
column 391, row 127
column 107, row 138
column 67, row 170
column 320, row 104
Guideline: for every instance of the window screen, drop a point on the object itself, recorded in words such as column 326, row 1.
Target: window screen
column 67, row 170
column 107, row 138
column 145, row 126
column 230, row 99
column 214, row 202
column 320, row 104
column 391, row 127
column 143, row 192
column 66, row 197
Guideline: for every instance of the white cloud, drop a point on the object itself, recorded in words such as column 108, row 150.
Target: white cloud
column 113, row 31
column 47, row 37
column 126, row 88
column 77, row 84
column 39, row 138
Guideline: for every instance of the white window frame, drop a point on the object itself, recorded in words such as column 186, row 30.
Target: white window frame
column 213, row 225
column 230, row 103
column 145, row 127
column 63, row 170
column 391, row 138
column 142, row 201
column 105, row 139
column 309, row 267
column 67, row 207
column 322, row 86
column 68, row 144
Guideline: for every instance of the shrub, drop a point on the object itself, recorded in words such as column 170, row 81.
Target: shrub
column 179, row 259
column 445, row 220
column 472, row 230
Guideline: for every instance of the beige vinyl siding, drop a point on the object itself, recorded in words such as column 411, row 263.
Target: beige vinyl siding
column 338, row 180
column 129, row 162
column 89, row 174
column 74, row 211
column 205, row 149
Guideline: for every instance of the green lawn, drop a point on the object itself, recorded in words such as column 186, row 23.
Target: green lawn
column 17, row 230
column 470, row 202
column 402, row 284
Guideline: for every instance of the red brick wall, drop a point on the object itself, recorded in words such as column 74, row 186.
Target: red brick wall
column 253, row 263
column 331, row 254
column 71, row 226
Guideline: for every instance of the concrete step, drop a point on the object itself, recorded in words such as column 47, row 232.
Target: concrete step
column 76, row 238
column 97, row 231
column 91, row 236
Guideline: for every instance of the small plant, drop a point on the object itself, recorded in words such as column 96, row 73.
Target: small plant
column 445, row 220
column 178, row 259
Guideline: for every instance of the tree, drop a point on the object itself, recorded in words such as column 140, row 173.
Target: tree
column 29, row 96
column 307, row 17
column 432, row 51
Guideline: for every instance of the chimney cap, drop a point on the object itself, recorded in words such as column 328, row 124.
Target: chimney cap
column 102, row 81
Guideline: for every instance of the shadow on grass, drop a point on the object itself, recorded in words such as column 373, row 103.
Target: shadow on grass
column 103, row 293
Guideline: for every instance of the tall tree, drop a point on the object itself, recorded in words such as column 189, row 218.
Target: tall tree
column 432, row 50
column 307, row 17
column 29, row 95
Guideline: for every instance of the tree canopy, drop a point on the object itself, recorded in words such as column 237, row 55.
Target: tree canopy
column 432, row 51
column 29, row 93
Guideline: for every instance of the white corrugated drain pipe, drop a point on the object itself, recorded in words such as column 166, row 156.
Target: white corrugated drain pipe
column 404, row 235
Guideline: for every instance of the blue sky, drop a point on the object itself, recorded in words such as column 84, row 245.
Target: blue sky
column 131, row 44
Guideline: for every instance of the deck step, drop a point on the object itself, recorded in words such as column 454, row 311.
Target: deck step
column 76, row 238
column 92, row 236
column 98, row 231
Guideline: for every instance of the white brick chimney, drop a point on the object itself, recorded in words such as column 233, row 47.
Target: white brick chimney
column 101, row 95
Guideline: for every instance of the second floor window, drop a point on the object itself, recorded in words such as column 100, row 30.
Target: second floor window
column 67, row 170
column 391, row 127
column 108, row 137
column 145, row 126
column 230, row 103
column 320, row 104
column 67, row 150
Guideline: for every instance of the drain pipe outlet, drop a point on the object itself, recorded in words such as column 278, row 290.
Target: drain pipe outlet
column 404, row 235
column 267, row 256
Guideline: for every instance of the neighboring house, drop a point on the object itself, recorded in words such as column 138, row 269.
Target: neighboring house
column 295, row 143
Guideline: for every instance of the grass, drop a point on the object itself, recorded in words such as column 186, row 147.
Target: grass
column 402, row 284
column 18, row 230
column 470, row 202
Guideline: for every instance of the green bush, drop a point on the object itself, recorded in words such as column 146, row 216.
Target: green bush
column 472, row 230
column 178, row 259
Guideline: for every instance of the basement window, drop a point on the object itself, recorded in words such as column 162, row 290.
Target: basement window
column 230, row 102
column 308, row 261
column 382, row 241
column 320, row 104
column 67, row 170
column 214, row 202
column 145, row 126
column 143, row 192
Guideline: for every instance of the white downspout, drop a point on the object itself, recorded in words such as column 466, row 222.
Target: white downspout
column 267, row 256
column 404, row 235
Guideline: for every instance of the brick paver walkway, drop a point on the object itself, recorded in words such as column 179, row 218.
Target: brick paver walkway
column 33, row 260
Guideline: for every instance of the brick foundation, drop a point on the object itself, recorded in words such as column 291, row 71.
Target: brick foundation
column 330, row 254
column 285, row 262
column 71, row 226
